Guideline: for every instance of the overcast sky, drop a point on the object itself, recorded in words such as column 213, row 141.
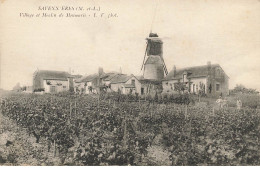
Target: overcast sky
column 226, row 32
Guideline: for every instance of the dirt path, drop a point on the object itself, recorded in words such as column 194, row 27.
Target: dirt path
column 18, row 148
column 157, row 153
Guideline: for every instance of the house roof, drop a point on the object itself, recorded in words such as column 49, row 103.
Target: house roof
column 109, row 76
column 87, row 78
column 120, row 78
column 140, row 77
column 60, row 79
column 55, row 75
column 77, row 76
column 192, row 72
column 104, row 76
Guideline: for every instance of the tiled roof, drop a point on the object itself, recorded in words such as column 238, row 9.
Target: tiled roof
column 51, row 74
column 87, row 78
column 104, row 76
column 120, row 78
column 109, row 76
column 147, row 81
column 192, row 72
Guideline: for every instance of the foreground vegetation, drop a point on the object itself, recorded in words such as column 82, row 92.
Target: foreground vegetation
column 86, row 130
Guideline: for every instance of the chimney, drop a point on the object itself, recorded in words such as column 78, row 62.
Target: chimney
column 120, row 70
column 209, row 67
column 174, row 71
column 100, row 71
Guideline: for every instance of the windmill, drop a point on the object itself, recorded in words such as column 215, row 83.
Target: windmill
column 153, row 63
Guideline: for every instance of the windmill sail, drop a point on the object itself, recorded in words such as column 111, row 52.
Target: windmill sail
column 164, row 66
column 144, row 55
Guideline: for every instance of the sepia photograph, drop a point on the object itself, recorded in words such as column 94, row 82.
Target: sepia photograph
column 129, row 83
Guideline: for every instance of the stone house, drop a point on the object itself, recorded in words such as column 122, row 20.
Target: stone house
column 49, row 81
column 209, row 79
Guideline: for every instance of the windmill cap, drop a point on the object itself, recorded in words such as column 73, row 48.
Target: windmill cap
column 153, row 35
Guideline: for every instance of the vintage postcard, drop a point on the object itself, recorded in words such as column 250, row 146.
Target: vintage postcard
column 129, row 83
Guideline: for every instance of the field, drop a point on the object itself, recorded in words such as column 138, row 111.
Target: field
column 89, row 130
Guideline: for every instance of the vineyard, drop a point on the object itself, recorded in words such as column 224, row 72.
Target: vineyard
column 87, row 130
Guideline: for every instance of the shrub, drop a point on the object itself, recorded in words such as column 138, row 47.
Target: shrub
column 39, row 90
column 248, row 100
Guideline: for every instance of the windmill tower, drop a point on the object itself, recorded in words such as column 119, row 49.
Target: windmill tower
column 153, row 65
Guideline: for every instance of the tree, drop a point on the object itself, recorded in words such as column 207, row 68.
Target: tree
column 242, row 89
column 17, row 87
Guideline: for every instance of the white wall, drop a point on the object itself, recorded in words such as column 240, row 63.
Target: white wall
column 106, row 82
column 80, row 86
column 54, row 83
column 196, row 82
column 90, row 84
column 137, row 84
column 170, row 84
column 115, row 87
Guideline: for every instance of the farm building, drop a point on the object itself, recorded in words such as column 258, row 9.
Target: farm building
column 52, row 81
column 209, row 79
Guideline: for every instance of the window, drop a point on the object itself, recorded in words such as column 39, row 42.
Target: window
column 133, row 82
column 217, row 87
column 53, row 89
column 64, row 87
column 166, row 83
column 142, row 91
column 218, row 72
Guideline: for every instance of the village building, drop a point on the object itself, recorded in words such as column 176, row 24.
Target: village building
column 48, row 81
column 208, row 79
column 87, row 84
column 125, row 84
column 107, row 77
column 93, row 84
column 79, row 86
